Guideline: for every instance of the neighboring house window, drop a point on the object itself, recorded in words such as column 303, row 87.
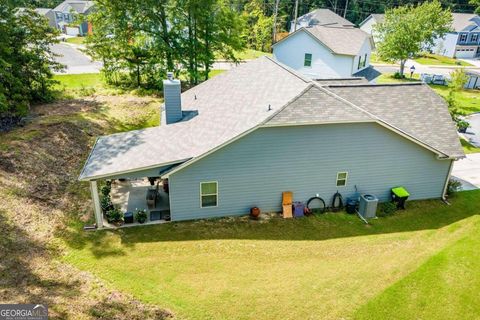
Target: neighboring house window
column 208, row 194
column 359, row 62
column 307, row 62
column 474, row 37
column 342, row 179
column 364, row 61
column 463, row 37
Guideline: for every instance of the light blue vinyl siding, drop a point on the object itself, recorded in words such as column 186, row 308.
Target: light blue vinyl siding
column 254, row 170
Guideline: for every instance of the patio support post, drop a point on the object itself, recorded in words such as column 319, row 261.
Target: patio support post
column 96, row 204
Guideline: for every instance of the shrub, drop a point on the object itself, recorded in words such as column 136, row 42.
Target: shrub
column 397, row 75
column 106, row 203
column 453, row 186
column 114, row 215
column 141, row 215
column 105, row 190
column 387, row 209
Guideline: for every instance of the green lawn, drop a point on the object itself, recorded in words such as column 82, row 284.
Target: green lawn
column 78, row 81
column 468, row 100
column 76, row 40
column 434, row 59
column 468, row 147
column 247, row 54
column 325, row 267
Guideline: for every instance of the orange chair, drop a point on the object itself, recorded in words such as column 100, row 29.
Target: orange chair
column 287, row 200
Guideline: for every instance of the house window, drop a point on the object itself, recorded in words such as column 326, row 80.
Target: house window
column 307, row 62
column 342, row 179
column 208, row 194
column 364, row 61
column 359, row 62
column 474, row 37
column 463, row 37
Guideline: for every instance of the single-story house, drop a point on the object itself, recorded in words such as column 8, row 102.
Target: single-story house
column 321, row 17
column 320, row 52
column 65, row 14
column 243, row 137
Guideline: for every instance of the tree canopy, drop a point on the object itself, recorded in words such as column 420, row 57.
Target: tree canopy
column 409, row 29
column 26, row 60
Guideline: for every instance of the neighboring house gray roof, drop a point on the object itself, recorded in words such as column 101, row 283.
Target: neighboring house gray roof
column 347, row 41
column 75, row 5
column 265, row 92
column 378, row 17
column 369, row 73
column 462, row 21
column 413, row 108
column 323, row 17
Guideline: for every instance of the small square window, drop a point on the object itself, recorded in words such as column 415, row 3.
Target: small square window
column 474, row 37
column 342, row 179
column 208, row 194
column 463, row 37
column 307, row 62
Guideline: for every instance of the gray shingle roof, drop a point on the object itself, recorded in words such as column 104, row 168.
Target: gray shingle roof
column 351, row 39
column 237, row 101
column 462, row 21
column 352, row 80
column 317, row 105
column 75, row 5
column 413, row 108
column 323, row 17
column 228, row 105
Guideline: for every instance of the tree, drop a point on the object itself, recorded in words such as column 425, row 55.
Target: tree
column 26, row 60
column 258, row 26
column 407, row 30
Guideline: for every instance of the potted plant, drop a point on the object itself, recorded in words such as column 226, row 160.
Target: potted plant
column 462, row 125
column 115, row 216
column 141, row 215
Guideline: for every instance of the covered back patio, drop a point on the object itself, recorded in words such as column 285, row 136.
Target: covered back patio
column 129, row 195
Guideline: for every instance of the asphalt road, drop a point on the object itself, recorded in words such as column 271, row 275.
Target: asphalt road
column 75, row 61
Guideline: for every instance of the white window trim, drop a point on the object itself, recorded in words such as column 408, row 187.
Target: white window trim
column 346, row 178
column 210, row 194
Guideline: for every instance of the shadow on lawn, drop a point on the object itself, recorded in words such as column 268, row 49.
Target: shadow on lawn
column 420, row 215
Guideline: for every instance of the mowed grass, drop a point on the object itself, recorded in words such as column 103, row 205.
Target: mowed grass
column 468, row 101
column 435, row 59
column 468, row 147
column 329, row 266
column 78, row 81
column 76, row 40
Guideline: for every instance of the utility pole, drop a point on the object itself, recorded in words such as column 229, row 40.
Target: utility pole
column 345, row 12
column 275, row 22
column 296, row 14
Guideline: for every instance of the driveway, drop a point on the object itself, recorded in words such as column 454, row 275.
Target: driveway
column 467, row 171
column 75, row 61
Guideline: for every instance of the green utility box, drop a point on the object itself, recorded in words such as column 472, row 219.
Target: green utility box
column 400, row 196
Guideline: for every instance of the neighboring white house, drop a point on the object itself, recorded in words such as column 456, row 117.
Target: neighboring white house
column 368, row 24
column 321, row 51
column 464, row 40
column 320, row 17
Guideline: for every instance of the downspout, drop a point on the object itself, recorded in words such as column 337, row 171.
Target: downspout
column 444, row 194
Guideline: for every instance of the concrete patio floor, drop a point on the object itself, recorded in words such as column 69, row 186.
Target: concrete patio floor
column 467, row 171
column 130, row 195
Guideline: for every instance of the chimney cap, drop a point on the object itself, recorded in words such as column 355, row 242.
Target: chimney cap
column 170, row 75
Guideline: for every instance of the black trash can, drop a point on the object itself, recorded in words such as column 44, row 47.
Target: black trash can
column 400, row 196
column 128, row 217
column 351, row 206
